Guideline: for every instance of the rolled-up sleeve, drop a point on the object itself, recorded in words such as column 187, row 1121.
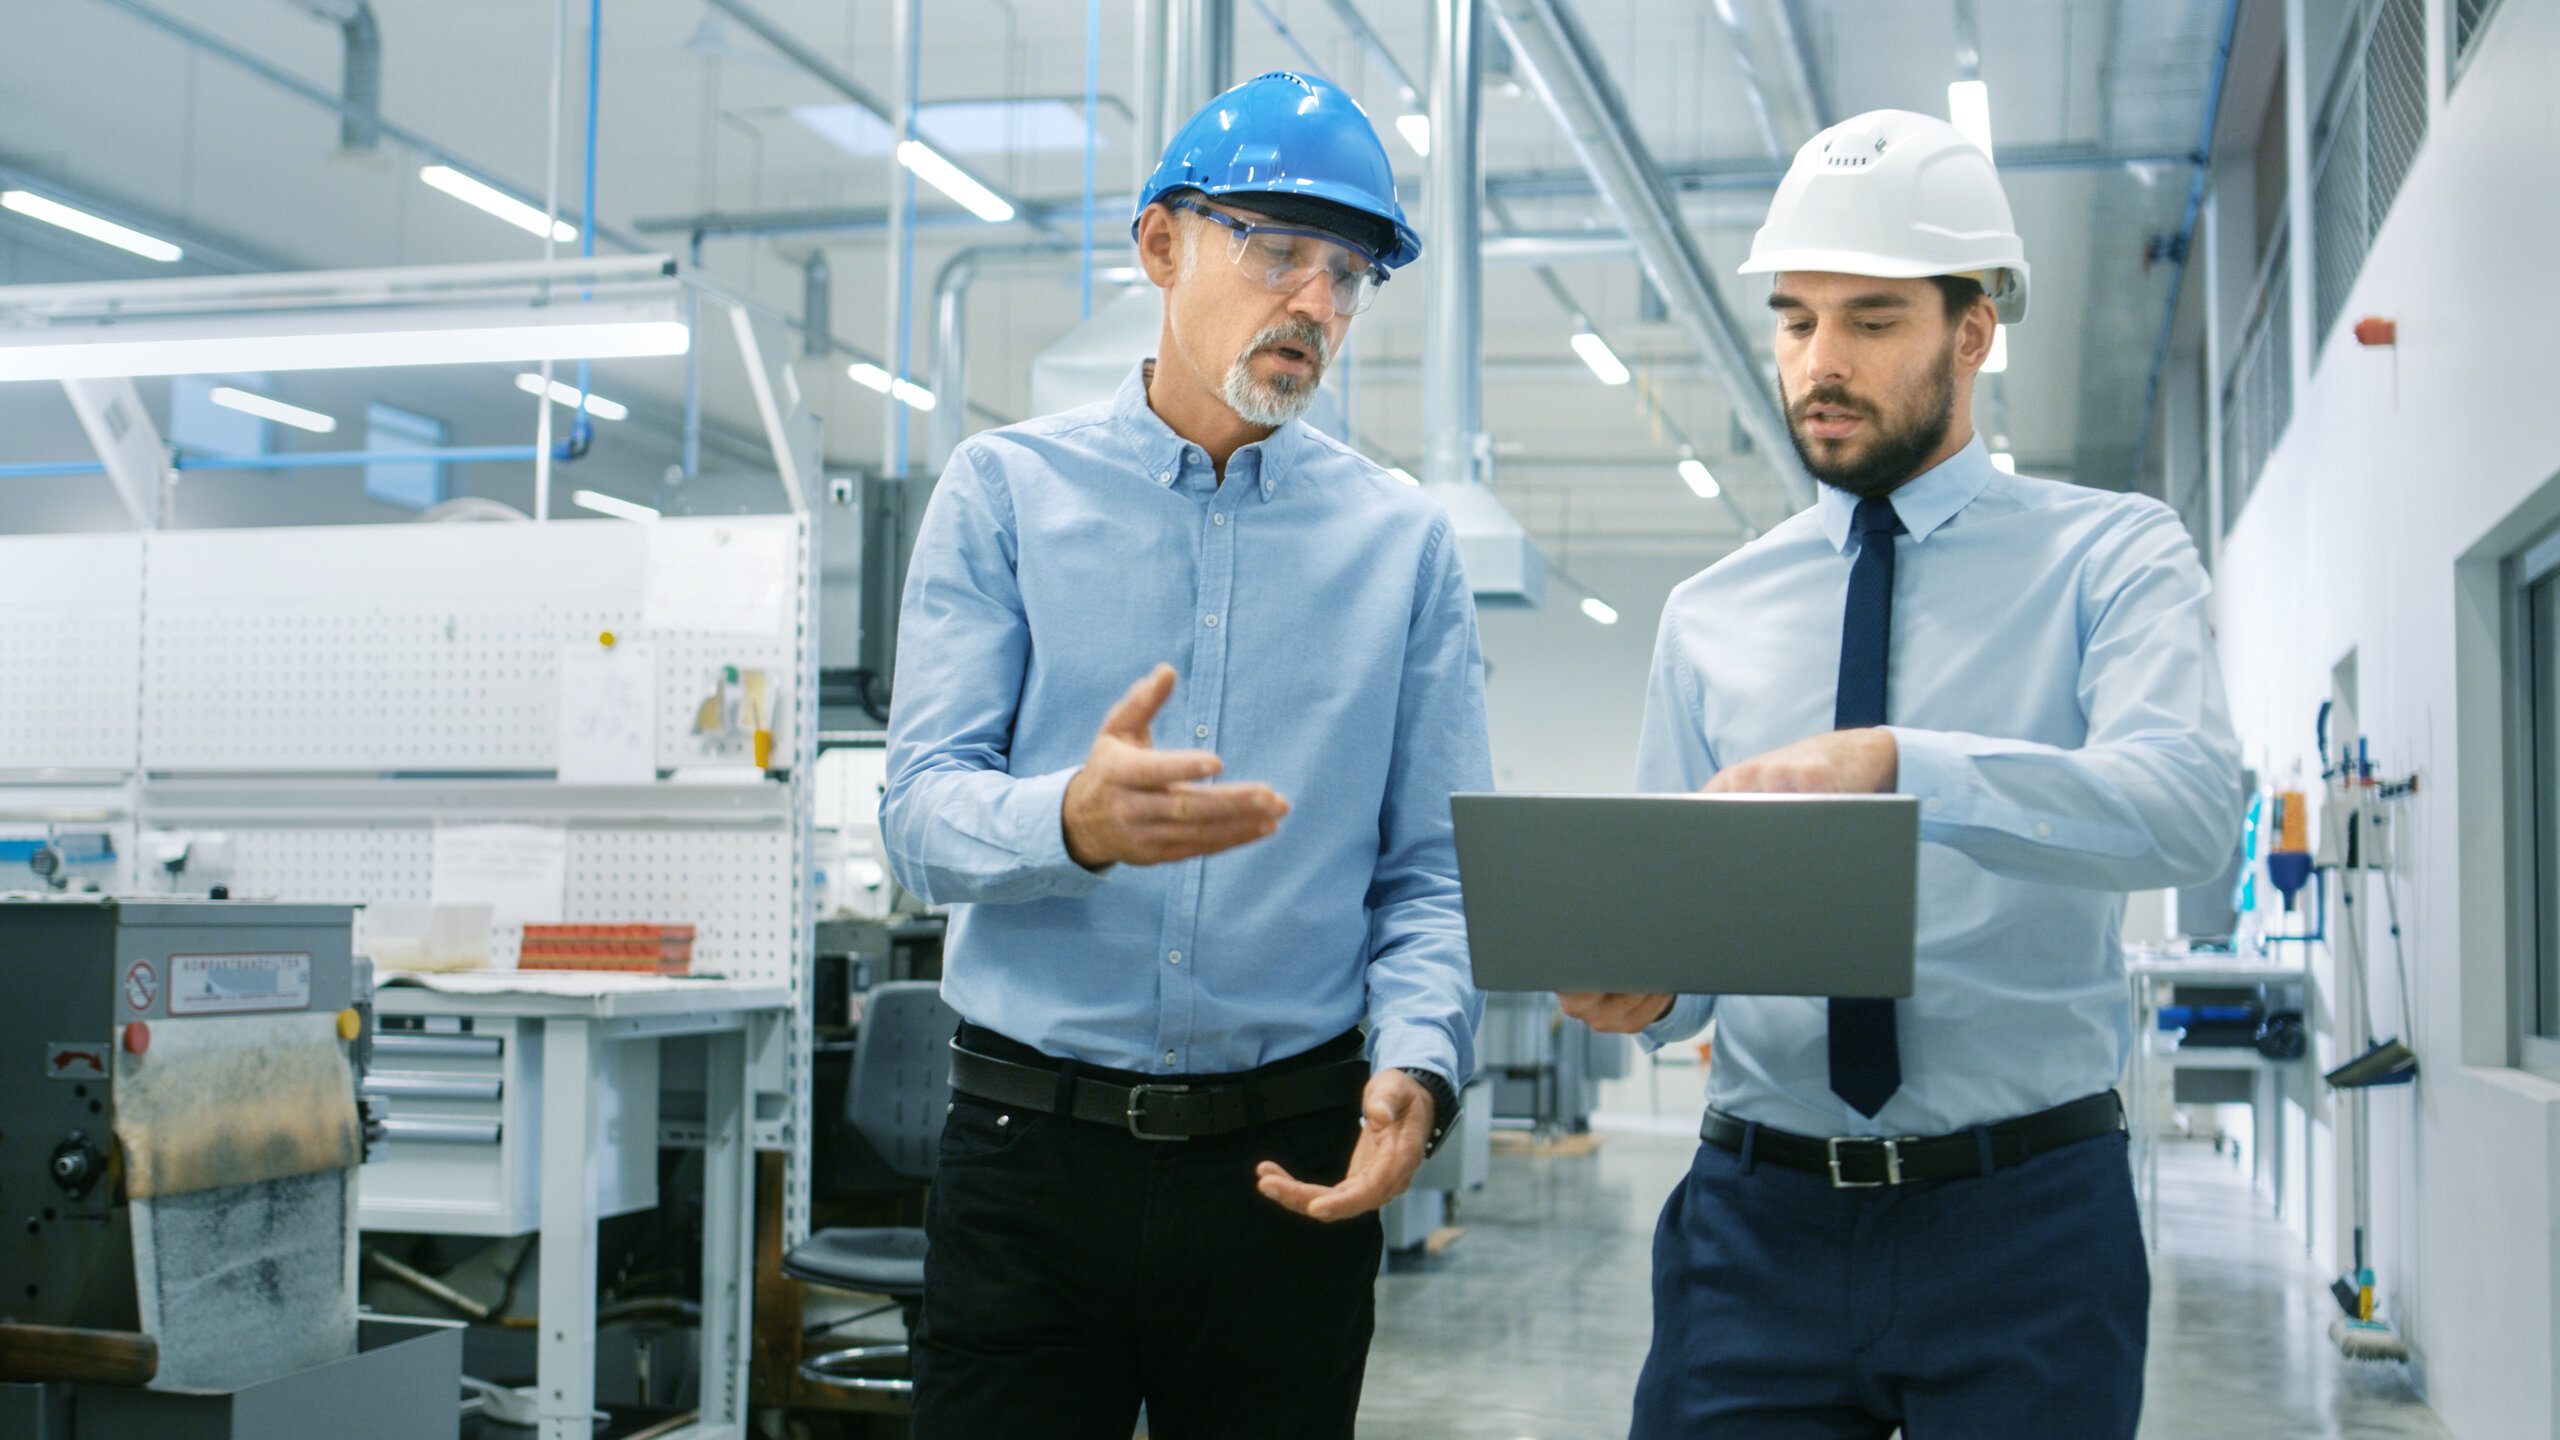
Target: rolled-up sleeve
column 2151, row 798
column 959, row 826
column 1423, row 1004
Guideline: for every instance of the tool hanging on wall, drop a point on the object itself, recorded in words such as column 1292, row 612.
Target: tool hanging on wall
column 740, row 707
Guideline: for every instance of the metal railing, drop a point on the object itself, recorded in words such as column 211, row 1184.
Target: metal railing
column 2257, row 395
column 2371, row 126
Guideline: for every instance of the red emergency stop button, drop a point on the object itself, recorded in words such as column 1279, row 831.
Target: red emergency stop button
column 137, row 1037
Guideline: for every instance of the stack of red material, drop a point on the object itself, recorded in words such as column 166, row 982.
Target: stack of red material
column 645, row 949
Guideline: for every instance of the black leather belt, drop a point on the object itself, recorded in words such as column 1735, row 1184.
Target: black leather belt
column 1856, row 1162
column 1161, row 1112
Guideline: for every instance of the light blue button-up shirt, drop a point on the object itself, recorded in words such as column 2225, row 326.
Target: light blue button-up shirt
column 2060, row 716
column 1318, row 615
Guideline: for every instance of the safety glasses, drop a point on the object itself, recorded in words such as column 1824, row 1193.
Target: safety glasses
column 1283, row 258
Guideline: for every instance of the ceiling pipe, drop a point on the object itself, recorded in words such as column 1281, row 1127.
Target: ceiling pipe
column 1348, row 12
column 1452, row 306
column 360, row 76
column 2187, row 230
column 1547, row 39
column 833, row 76
column 295, row 85
column 951, row 334
column 1788, row 16
column 1762, row 175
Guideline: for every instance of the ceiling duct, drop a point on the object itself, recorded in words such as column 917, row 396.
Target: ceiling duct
column 1504, row 566
column 1547, row 40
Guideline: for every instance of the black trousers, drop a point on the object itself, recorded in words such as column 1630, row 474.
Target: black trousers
column 1075, row 1271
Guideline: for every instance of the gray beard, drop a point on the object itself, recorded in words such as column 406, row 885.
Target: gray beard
column 1275, row 400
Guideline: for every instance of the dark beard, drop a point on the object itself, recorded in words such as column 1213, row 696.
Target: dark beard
column 1896, row 455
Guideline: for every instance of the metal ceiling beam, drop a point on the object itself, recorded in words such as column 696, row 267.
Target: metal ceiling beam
column 284, row 80
column 1348, row 12
column 1547, row 39
column 833, row 76
column 1760, row 174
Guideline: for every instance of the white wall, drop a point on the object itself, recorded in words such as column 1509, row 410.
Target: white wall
column 1565, row 696
column 2402, row 468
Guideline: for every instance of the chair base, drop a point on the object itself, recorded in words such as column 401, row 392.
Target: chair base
column 848, row 1369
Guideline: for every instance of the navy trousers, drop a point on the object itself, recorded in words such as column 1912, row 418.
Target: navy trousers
column 2008, row 1305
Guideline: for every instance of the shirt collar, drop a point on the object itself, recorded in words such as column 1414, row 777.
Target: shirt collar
column 1161, row 453
column 1923, row 503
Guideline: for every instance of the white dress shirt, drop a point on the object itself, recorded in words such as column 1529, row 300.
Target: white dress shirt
column 2060, row 716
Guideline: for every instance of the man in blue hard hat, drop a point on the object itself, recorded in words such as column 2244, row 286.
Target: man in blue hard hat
column 1169, row 1135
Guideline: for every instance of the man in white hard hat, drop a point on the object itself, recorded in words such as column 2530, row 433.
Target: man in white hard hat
column 1209, row 1028
column 1919, row 1213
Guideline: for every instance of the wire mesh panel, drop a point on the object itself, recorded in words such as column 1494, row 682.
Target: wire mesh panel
column 2395, row 101
column 413, row 648
column 731, row 883
column 70, row 651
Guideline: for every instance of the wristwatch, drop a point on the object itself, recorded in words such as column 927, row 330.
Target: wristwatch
column 1444, row 1106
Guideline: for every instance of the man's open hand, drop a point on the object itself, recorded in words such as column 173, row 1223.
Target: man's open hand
column 1396, row 1116
column 1134, row 804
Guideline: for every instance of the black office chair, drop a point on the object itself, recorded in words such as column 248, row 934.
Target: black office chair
column 900, row 1091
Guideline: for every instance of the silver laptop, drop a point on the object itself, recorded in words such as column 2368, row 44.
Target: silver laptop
column 1690, row 894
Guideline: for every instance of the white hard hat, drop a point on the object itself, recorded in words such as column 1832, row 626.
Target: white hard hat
column 1895, row 194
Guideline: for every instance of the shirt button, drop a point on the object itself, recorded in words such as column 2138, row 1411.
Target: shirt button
column 1175, row 957
column 1934, row 805
column 1168, row 1057
column 1217, row 519
column 1200, row 732
column 2043, row 829
column 1211, row 622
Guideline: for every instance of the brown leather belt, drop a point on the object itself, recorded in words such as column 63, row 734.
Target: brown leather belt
column 1857, row 1162
column 1161, row 1112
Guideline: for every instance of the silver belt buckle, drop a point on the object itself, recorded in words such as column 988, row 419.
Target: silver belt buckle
column 1138, row 1105
column 1892, row 1162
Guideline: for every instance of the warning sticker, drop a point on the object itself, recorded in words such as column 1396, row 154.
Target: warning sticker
column 70, row 1060
column 141, row 986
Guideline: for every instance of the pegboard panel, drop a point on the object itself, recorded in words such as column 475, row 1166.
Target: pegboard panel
column 421, row 647
column 70, row 651
column 733, row 884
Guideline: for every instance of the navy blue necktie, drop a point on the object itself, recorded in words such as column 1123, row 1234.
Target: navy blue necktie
column 1866, row 1057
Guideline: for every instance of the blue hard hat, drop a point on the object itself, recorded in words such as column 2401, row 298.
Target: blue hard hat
column 1286, row 134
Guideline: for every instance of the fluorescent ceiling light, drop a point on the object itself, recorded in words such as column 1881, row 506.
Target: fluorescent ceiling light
column 1969, row 110
column 1402, row 474
column 567, row 394
column 496, row 202
column 607, row 505
column 872, row 377
column 233, row 325
column 2004, row 462
column 1997, row 362
column 1598, row 609
column 1694, row 471
column 81, row 222
column 948, row 178
column 1604, row 362
column 249, row 403
column 232, row 344
column 1416, row 130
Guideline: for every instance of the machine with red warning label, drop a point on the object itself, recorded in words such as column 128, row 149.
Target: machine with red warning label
column 178, row 1074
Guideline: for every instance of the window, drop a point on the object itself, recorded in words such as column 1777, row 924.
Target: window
column 2370, row 128
column 2538, row 630
column 2470, row 17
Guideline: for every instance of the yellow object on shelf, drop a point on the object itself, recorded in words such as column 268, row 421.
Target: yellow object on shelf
column 2293, row 821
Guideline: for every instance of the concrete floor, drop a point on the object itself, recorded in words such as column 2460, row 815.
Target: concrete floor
column 1533, row 1325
